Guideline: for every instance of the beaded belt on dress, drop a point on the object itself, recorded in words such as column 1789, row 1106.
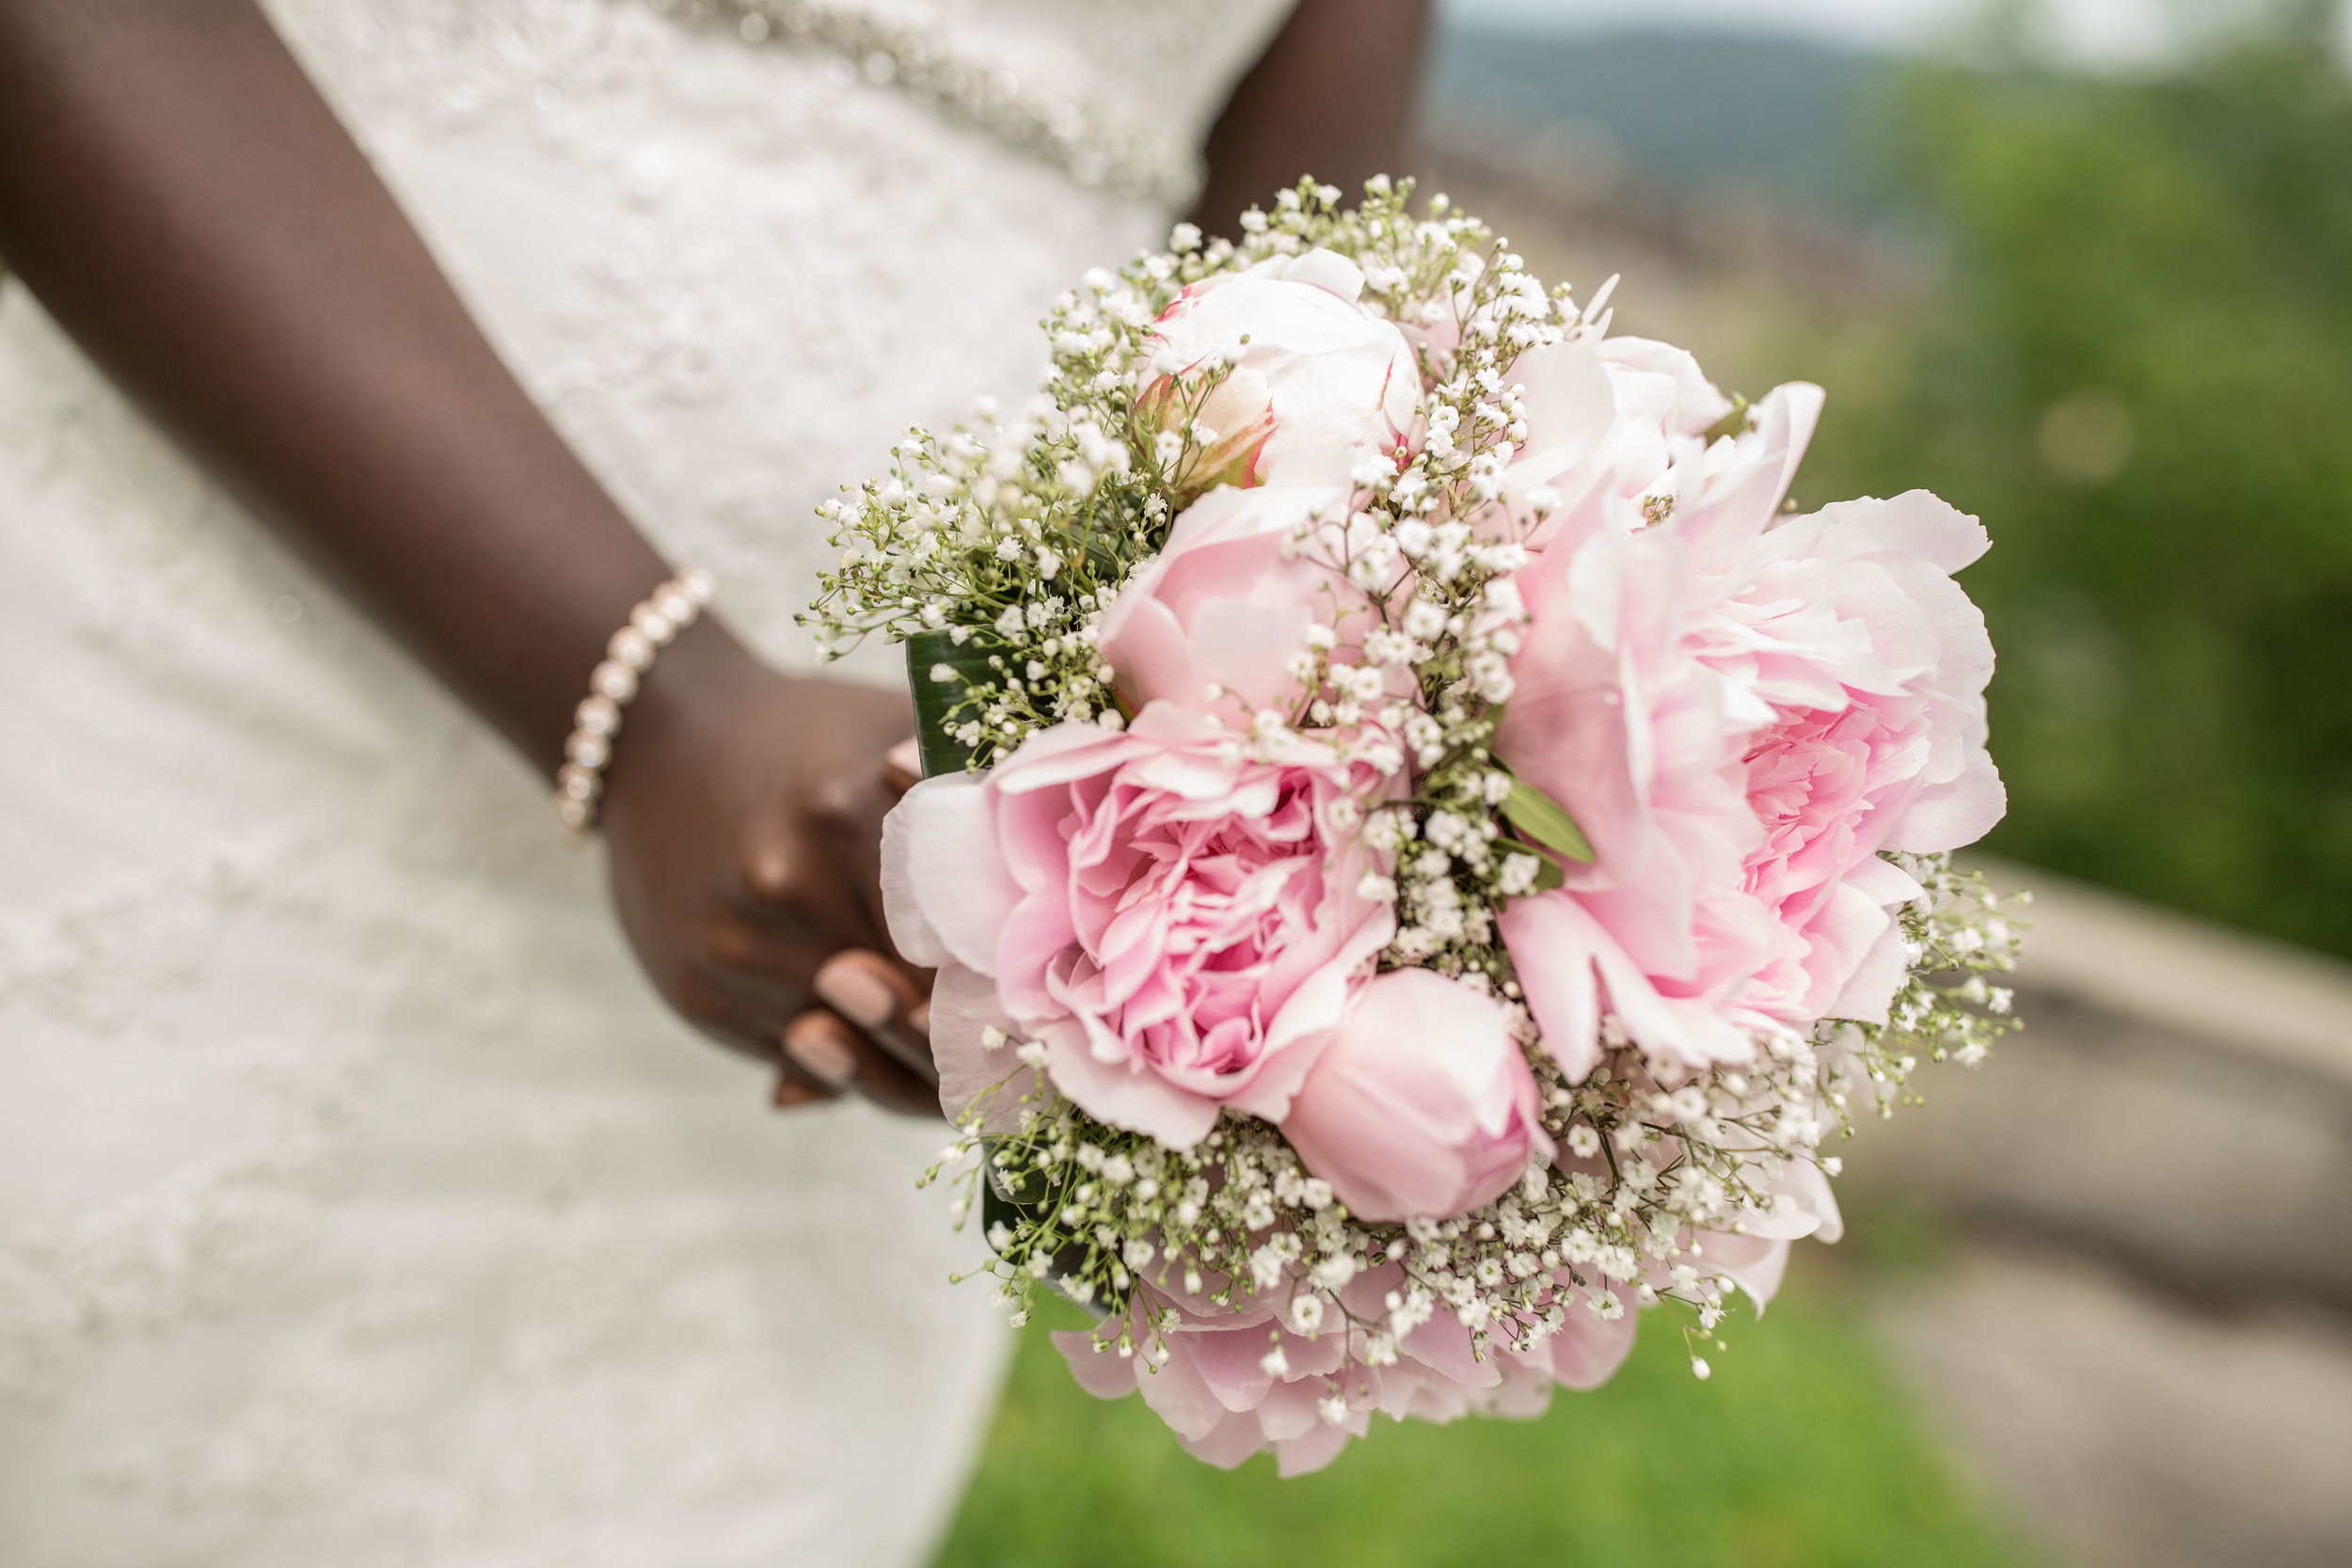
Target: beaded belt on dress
column 1097, row 149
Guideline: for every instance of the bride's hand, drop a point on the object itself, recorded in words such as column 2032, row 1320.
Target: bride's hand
column 744, row 823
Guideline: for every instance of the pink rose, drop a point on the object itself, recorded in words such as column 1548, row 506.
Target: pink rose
column 1177, row 923
column 1321, row 383
column 1422, row 1105
column 1230, row 601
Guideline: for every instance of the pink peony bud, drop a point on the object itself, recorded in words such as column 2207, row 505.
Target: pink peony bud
column 1301, row 381
column 1223, row 420
column 1227, row 607
column 1422, row 1105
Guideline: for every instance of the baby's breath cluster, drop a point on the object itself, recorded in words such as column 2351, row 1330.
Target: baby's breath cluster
column 1959, row 937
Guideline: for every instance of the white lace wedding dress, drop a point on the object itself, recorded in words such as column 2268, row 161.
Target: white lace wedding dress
column 359, row 1203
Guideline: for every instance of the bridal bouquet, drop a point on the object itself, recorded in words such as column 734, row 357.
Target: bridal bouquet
column 1423, row 840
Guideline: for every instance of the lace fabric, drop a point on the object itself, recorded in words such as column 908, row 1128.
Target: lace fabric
column 358, row 1202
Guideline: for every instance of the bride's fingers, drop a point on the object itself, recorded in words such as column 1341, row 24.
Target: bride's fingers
column 795, row 1088
column 791, row 888
column 881, row 999
column 766, row 982
column 902, row 766
column 828, row 1049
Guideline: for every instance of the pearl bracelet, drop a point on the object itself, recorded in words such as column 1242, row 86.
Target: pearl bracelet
column 652, row 627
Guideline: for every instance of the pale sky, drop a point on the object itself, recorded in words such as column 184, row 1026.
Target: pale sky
column 2092, row 32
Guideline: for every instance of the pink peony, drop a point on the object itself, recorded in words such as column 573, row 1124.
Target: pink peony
column 1742, row 710
column 1228, row 1397
column 1230, row 602
column 1320, row 384
column 1607, row 421
column 1616, row 719
column 1235, row 413
column 1180, row 924
column 1756, row 1257
column 1422, row 1105
column 1848, row 624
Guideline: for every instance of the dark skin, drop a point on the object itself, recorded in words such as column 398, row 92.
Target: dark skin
column 179, row 198
column 1331, row 96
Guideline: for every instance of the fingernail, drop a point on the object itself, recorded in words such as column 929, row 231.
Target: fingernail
column 792, row 1093
column 919, row 1019
column 906, row 757
column 823, row 1054
column 852, row 989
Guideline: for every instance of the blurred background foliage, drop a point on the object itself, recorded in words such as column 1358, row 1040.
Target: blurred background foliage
column 2138, row 370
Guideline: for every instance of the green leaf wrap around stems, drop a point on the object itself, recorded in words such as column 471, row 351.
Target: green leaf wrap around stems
column 935, row 701
column 1028, row 1200
column 1025, row 1199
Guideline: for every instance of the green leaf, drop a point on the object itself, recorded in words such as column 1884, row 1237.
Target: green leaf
column 1539, row 817
column 1734, row 423
column 1548, row 875
column 935, row 700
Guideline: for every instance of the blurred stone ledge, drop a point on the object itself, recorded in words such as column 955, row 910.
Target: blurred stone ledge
column 2180, row 1102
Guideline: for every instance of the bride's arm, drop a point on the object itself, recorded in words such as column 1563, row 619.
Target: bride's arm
column 183, row 203
column 1330, row 97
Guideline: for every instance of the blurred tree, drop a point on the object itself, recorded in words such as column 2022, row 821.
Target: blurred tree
column 2139, row 374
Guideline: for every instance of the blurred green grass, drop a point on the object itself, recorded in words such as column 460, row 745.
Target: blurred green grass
column 1801, row 1451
